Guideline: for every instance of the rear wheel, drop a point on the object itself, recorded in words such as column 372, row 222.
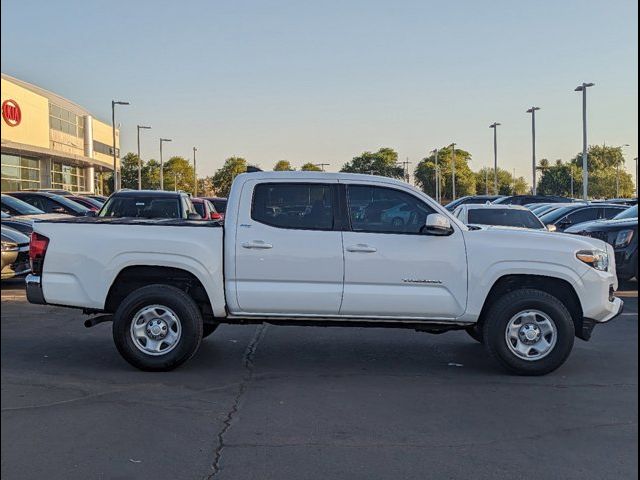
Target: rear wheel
column 157, row 328
column 529, row 332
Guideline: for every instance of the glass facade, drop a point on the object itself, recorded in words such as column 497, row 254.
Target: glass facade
column 65, row 121
column 104, row 148
column 19, row 173
column 66, row 177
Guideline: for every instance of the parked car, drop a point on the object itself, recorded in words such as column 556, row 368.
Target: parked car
column 550, row 207
column 149, row 204
column 498, row 215
column 51, row 203
column 570, row 215
column 525, row 199
column 15, row 253
column 622, row 233
column 13, row 206
column 219, row 203
column 56, row 191
column 87, row 202
column 471, row 199
column 291, row 253
column 205, row 209
column 21, row 224
column 622, row 201
column 99, row 198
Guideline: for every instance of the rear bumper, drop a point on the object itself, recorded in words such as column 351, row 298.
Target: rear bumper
column 34, row 290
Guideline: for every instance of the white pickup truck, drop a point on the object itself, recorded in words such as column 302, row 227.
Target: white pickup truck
column 308, row 248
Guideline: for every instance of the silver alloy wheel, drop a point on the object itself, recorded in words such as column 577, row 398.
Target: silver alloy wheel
column 531, row 335
column 155, row 330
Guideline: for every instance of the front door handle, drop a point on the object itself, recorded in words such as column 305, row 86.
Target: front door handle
column 259, row 244
column 362, row 248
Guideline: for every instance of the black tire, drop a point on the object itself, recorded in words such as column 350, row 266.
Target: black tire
column 475, row 332
column 209, row 328
column 187, row 313
column 510, row 304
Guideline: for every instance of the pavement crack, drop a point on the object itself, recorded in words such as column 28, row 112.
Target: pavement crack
column 248, row 358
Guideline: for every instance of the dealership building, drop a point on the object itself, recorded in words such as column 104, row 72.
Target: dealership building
column 51, row 142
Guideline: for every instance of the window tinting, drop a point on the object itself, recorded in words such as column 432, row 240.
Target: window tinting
column 221, row 205
column 584, row 215
column 504, row 217
column 293, row 205
column 142, row 207
column 385, row 210
column 611, row 212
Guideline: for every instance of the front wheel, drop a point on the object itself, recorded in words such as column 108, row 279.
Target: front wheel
column 157, row 328
column 529, row 332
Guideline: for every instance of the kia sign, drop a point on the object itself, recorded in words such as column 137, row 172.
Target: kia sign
column 11, row 113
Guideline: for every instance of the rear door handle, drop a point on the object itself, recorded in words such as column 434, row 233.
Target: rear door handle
column 259, row 244
column 362, row 248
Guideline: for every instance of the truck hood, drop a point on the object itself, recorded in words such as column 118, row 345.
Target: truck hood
column 537, row 240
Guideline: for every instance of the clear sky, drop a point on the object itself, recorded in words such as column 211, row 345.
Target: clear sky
column 323, row 81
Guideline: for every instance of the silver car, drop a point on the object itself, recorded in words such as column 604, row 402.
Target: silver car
column 15, row 253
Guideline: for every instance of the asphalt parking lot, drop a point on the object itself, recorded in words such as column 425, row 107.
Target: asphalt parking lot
column 311, row 403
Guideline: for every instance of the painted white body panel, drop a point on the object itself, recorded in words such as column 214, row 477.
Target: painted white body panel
column 312, row 273
column 83, row 260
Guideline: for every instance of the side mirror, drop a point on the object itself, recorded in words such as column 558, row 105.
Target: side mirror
column 193, row 216
column 437, row 224
column 551, row 227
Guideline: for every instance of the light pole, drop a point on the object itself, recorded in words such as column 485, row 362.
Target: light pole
column 453, row 171
column 162, row 163
column 585, row 173
column 139, row 159
column 495, row 125
column 195, row 175
column 532, row 111
column 486, row 181
column 116, row 185
column 437, row 192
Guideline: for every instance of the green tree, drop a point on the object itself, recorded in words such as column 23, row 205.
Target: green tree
column 223, row 178
column 310, row 167
column 465, row 179
column 383, row 162
column 606, row 169
column 129, row 171
column 283, row 166
column 605, row 164
column 178, row 175
column 507, row 184
column 151, row 175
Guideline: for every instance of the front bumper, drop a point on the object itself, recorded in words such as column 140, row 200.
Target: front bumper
column 34, row 289
column 588, row 324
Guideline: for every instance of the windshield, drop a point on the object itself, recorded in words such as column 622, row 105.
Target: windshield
column 556, row 215
column 199, row 206
column 221, row 205
column 13, row 206
column 629, row 213
column 70, row 204
column 142, row 207
column 504, row 217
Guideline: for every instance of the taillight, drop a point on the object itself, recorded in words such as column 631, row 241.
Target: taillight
column 216, row 216
column 37, row 250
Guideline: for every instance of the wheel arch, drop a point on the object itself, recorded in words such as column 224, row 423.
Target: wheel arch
column 557, row 287
column 133, row 277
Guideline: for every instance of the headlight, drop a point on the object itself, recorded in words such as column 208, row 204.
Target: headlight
column 623, row 239
column 9, row 247
column 597, row 259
